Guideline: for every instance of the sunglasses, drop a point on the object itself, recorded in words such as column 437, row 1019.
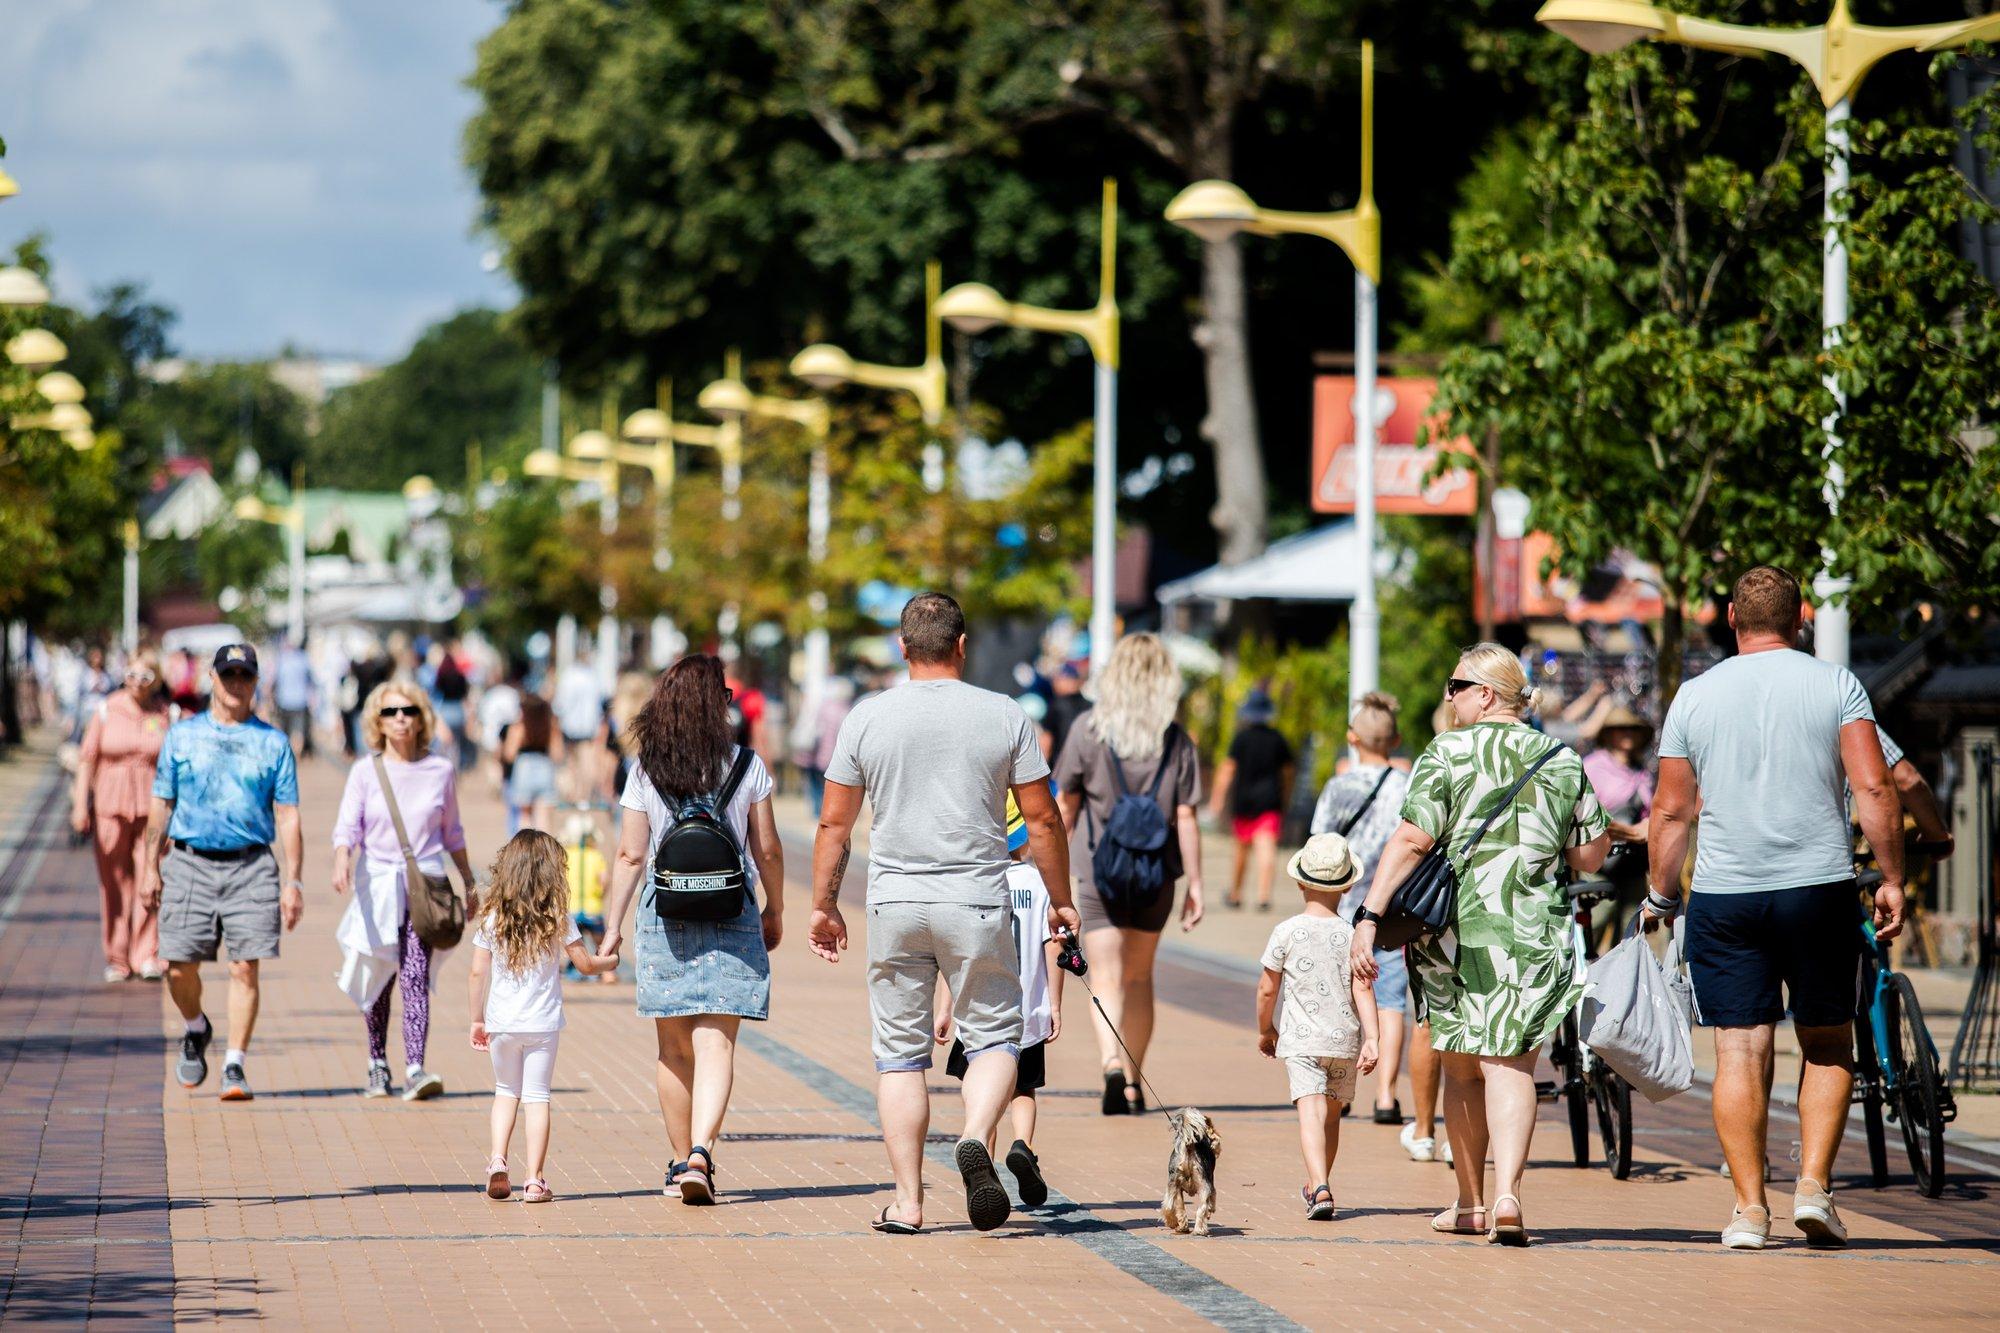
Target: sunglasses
column 141, row 677
column 1454, row 685
column 236, row 673
column 400, row 710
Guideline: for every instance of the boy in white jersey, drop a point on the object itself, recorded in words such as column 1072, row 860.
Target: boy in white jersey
column 1041, row 1008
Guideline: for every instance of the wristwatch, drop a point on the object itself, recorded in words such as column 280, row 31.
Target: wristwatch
column 1363, row 914
column 295, row 884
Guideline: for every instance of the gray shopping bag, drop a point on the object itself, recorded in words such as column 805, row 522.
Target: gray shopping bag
column 1632, row 1019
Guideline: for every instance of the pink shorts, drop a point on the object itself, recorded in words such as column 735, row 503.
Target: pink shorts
column 1249, row 827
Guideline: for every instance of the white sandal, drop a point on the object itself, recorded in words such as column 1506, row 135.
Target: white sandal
column 1508, row 1233
column 1447, row 1221
column 497, row 1184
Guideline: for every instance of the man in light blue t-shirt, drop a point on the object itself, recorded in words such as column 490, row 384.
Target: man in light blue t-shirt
column 1764, row 747
column 225, row 808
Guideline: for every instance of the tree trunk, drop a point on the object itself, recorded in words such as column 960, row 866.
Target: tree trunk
column 10, row 713
column 1223, row 334
column 1673, row 647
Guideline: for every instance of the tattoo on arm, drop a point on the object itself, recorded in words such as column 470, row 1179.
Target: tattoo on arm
column 840, row 869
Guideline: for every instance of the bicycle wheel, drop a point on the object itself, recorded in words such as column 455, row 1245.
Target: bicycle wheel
column 1914, row 1062
column 1612, row 1096
column 1869, row 1071
column 1568, row 1060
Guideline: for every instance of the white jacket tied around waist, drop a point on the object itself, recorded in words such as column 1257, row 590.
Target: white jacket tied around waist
column 367, row 931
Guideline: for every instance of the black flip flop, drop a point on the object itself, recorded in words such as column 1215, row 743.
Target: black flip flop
column 1027, row 1169
column 985, row 1197
column 892, row 1226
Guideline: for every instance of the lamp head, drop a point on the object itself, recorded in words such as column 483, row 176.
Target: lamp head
column 250, row 509
column 1212, row 210
column 36, row 349
column 823, row 366
column 21, row 287
column 69, row 416
column 544, row 463
column 649, row 425
column 1603, row 26
column 419, row 487
column 83, row 441
column 7, row 186
column 593, row 445
column 972, row 307
column 59, row 386
column 725, row 398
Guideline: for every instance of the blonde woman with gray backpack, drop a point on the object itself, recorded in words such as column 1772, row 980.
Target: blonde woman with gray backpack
column 697, row 842
column 1128, row 784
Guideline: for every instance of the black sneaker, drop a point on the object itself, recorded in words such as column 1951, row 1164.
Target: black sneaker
column 192, row 1071
column 235, row 1087
column 1027, row 1169
column 378, row 1081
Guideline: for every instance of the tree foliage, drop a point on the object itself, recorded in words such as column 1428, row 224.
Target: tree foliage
column 466, row 380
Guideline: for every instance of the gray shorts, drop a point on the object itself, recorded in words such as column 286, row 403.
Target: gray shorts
column 909, row 946
column 204, row 903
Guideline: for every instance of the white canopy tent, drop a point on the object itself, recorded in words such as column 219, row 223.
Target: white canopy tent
column 1315, row 566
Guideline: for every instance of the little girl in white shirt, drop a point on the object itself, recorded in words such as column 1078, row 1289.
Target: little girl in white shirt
column 520, row 937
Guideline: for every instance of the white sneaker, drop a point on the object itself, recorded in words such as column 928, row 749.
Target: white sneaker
column 1420, row 1150
column 1444, row 1150
column 1814, row 1214
column 1748, row 1229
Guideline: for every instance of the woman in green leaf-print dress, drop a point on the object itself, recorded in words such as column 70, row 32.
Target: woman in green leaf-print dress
column 1497, row 983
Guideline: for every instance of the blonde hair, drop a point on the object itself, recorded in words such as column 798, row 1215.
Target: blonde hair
column 371, row 714
column 1137, row 697
column 1499, row 670
column 526, row 908
column 1373, row 721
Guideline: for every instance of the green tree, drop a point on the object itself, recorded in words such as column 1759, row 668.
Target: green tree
column 528, row 560
column 466, row 379
column 213, row 411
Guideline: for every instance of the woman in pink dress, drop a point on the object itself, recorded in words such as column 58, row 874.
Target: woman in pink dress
column 112, row 796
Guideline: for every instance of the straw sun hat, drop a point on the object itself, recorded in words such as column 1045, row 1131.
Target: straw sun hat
column 1324, row 863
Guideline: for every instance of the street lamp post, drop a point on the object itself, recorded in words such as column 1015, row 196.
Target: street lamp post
column 290, row 516
column 1837, row 55
column 1214, row 210
column 823, row 366
column 973, row 307
column 730, row 399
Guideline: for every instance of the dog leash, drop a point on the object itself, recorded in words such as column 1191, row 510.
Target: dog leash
column 1070, row 958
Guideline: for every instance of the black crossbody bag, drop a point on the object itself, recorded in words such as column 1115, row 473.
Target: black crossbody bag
column 1424, row 903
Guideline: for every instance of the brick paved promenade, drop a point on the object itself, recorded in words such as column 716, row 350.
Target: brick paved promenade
column 130, row 1201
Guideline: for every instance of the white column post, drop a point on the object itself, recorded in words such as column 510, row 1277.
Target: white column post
column 607, row 596
column 130, row 634
column 1364, row 619
column 295, row 533
column 1830, row 622
column 1104, row 520
column 819, row 521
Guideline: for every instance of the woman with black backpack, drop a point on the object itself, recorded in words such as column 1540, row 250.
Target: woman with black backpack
column 700, row 839
column 1128, row 783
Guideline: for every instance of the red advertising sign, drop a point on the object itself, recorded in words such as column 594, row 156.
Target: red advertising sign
column 1403, row 481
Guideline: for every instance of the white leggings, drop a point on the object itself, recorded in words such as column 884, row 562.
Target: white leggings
column 523, row 1064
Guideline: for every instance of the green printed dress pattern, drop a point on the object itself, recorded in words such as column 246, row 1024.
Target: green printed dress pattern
column 1500, row 980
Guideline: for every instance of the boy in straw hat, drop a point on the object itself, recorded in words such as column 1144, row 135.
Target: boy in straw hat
column 1324, row 1030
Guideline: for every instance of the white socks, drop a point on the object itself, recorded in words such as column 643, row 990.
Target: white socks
column 197, row 1024
column 235, row 1057
column 411, row 1071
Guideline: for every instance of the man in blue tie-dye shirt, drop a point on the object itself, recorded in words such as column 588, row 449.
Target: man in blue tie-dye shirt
column 227, row 788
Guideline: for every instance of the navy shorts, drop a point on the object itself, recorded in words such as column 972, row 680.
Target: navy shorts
column 1742, row 948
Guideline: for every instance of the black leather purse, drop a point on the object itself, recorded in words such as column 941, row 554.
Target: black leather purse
column 1425, row 901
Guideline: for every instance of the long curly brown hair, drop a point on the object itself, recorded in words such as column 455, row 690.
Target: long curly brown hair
column 527, row 907
column 681, row 735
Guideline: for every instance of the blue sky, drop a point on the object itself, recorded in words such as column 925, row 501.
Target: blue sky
column 279, row 171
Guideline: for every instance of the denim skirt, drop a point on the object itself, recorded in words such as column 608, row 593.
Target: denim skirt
column 702, row 967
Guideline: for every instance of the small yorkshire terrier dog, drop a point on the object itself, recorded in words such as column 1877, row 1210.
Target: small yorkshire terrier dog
column 1191, row 1172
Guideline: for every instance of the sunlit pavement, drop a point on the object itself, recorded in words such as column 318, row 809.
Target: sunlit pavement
column 128, row 1198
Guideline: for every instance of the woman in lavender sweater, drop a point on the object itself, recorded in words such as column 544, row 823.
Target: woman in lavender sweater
column 374, row 933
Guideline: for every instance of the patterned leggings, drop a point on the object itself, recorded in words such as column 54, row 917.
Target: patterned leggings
column 415, row 977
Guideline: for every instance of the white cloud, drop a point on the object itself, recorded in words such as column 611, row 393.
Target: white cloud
column 279, row 172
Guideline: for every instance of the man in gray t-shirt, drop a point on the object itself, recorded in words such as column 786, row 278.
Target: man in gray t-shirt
column 1764, row 747
column 937, row 758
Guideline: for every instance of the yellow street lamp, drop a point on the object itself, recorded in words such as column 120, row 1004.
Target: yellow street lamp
column 8, row 187
column 974, row 307
column 1837, row 56
column 22, row 288
column 59, row 386
column 36, row 349
column 291, row 516
column 823, row 365
column 731, row 399
column 67, row 417
column 1215, row 210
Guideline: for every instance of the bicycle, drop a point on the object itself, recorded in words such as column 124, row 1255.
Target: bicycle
column 1591, row 1088
column 1896, row 1064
